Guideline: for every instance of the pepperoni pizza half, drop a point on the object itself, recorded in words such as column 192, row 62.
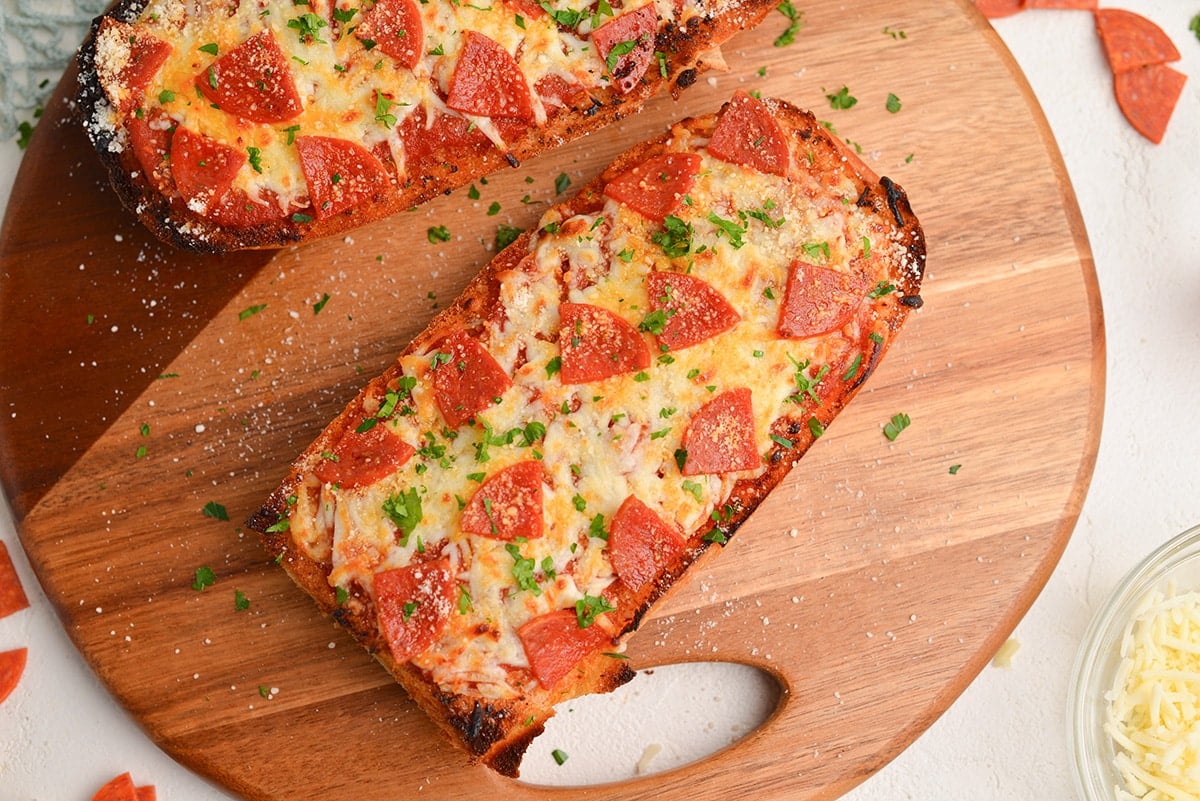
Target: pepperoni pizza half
column 613, row 395
column 256, row 123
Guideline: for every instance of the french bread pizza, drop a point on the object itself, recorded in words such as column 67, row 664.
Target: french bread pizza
column 258, row 123
column 609, row 398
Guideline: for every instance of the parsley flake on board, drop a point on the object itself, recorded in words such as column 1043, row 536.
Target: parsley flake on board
column 794, row 25
column 898, row 423
column 250, row 311
column 506, row 235
column 893, row 103
column 320, row 304
column 240, row 601
column 437, row 233
column 842, row 99
column 560, row 756
column 204, row 578
column 216, row 511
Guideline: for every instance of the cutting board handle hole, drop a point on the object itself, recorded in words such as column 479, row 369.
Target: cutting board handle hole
column 665, row 718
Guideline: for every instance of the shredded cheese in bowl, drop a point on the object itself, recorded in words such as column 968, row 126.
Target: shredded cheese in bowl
column 1134, row 709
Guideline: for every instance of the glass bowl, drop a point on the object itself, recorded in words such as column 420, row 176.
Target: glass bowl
column 1092, row 749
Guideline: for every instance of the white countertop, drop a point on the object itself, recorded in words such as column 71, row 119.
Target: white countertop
column 62, row 736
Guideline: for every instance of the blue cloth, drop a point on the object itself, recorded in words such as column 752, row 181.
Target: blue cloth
column 37, row 40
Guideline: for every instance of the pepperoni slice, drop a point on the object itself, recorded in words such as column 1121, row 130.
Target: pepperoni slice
column 655, row 187
column 364, row 454
column 529, row 9
column 508, row 504
column 413, row 604
column 557, row 92
column 12, row 665
column 693, row 310
column 147, row 54
column 994, row 9
column 238, row 210
column 747, row 134
column 396, row 28
column 640, row 544
column 597, row 344
column 1069, row 5
column 147, row 793
column 203, row 168
column 1131, row 41
column 466, row 379
column 554, row 644
column 150, row 138
column 720, row 436
column 817, row 300
column 12, row 594
column 626, row 44
column 427, row 147
column 340, row 174
column 1147, row 97
column 488, row 82
column 252, row 81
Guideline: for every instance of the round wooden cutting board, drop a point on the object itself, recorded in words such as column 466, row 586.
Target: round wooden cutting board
column 141, row 386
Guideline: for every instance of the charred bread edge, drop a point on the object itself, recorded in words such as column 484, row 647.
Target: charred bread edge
column 498, row 734
column 685, row 45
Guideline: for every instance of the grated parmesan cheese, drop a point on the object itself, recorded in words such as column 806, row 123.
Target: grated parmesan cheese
column 1153, row 714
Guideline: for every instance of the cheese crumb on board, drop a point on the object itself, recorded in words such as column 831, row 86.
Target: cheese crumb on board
column 1004, row 656
column 1153, row 713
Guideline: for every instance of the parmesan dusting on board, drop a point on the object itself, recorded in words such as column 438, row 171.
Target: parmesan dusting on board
column 1154, row 705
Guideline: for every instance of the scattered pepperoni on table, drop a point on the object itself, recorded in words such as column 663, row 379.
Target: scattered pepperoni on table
column 748, row 134
column 203, row 168
column 656, row 187
column 396, row 28
column 466, row 378
column 253, row 81
column 488, row 82
column 693, row 311
column 366, row 452
column 12, row 594
column 554, row 644
column 508, row 504
column 994, row 9
column 641, row 545
column 597, row 344
column 413, row 604
column 1147, row 97
column 122, row 788
column 720, row 436
column 12, row 665
column 817, row 300
column 1063, row 5
column 340, row 174
column 626, row 44
column 1131, row 40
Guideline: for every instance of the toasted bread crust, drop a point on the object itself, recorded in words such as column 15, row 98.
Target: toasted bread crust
column 497, row 732
column 448, row 167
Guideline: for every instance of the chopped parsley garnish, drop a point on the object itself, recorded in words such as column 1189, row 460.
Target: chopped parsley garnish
column 250, row 311
column 562, row 183
column 655, row 322
column 307, row 27
column 881, row 289
column 506, row 235
column 954, row 468
column 320, row 304
column 254, row 156
column 383, row 110
column 852, row 370
column 816, row 250
column 240, row 601
column 589, row 607
column 464, row 600
column 404, row 510
column 523, row 570
column 205, row 577
column 842, row 99
column 796, row 22
column 596, row 528
column 340, row 595
column 210, row 48
column 815, row 427
column 898, row 423
column 729, row 228
column 437, row 233
column 676, row 237
column 893, row 103
column 619, row 49
column 553, row 367
column 579, row 502
column 695, row 488
column 493, row 209
column 166, row 96
column 560, row 756
column 216, row 511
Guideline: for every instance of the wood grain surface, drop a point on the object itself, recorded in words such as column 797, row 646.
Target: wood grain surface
column 874, row 583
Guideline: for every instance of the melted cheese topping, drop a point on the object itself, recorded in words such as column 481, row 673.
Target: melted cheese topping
column 608, row 439
column 1153, row 705
column 346, row 89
